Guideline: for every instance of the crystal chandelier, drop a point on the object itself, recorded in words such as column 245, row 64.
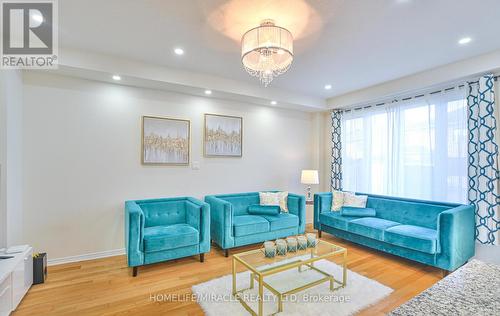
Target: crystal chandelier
column 267, row 51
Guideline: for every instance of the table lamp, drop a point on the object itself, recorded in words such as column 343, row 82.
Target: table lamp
column 309, row 177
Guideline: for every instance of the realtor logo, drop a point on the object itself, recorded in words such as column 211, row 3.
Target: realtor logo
column 29, row 34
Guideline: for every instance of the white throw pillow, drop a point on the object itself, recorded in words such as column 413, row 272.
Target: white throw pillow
column 352, row 200
column 337, row 200
column 275, row 198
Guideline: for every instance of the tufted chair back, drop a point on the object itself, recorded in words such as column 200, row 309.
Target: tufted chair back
column 164, row 212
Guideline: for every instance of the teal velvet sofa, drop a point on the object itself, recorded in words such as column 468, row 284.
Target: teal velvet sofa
column 433, row 233
column 163, row 229
column 232, row 226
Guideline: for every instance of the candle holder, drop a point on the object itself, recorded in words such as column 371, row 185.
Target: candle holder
column 281, row 247
column 301, row 242
column 269, row 249
column 292, row 244
column 311, row 240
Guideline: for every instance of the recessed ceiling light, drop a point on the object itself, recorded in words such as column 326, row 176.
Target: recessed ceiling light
column 37, row 17
column 273, row 102
column 328, row 86
column 464, row 40
column 179, row 51
column 117, row 78
column 208, row 92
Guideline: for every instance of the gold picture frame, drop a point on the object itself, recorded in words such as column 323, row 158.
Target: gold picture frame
column 174, row 148
column 232, row 138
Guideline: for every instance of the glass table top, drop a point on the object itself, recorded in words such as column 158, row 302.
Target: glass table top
column 256, row 260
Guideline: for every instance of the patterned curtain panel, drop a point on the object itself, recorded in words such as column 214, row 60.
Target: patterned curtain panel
column 483, row 159
column 336, row 180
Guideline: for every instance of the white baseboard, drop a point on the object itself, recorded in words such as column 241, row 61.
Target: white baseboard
column 88, row 256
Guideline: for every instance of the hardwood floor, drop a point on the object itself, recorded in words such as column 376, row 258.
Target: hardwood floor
column 106, row 286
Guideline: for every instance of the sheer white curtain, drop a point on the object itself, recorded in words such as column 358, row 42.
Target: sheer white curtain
column 415, row 149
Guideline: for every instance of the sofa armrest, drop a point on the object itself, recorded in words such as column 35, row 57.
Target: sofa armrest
column 456, row 231
column 221, row 221
column 297, row 205
column 322, row 203
column 198, row 216
column 134, row 233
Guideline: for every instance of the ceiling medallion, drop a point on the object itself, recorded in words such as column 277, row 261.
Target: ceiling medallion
column 267, row 51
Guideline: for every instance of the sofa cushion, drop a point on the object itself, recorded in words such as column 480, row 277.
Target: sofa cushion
column 282, row 221
column 335, row 220
column 413, row 237
column 158, row 238
column 249, row 224
column 371, row 227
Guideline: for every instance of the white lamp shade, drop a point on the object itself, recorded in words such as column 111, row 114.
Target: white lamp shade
column 309, row 177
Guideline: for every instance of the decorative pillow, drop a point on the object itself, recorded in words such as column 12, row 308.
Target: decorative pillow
column 357, row 211
column 257, row 209
column 337, row 200
column 275, row 198
column 355, row 200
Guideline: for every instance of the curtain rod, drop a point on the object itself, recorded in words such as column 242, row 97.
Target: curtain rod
column 495, row 78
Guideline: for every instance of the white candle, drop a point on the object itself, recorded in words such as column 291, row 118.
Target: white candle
column 311, row 240
column 269, row 249
column 292, row 244
column 281, row 247
column 301, row 242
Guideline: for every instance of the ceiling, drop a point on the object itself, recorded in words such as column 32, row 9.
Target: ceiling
column 348, row 44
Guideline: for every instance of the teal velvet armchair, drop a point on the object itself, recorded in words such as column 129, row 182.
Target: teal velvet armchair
column 232, row 225
column 164, row 229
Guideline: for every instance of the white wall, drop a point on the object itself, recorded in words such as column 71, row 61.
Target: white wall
column 82, row 142
column 11, row 157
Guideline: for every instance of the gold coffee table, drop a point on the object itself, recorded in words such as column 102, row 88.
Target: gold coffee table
column 261, row 267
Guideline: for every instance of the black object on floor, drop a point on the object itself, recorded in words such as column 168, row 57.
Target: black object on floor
column 39, row 268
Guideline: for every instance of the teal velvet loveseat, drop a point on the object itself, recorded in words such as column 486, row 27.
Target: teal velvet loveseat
column 163, row 229
column 232, row 226
column 433, row 233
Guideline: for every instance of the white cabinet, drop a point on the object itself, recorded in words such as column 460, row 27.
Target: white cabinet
column 28, row 271
column 22, row 277
column 17, row 276
column 6, row 296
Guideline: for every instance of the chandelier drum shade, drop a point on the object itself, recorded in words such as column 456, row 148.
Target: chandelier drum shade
column 267, row 51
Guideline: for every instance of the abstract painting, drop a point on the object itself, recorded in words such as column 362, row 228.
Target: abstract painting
column 165, row 141
column 223, row 136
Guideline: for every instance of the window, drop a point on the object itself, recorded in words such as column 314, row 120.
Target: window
column 414, row 149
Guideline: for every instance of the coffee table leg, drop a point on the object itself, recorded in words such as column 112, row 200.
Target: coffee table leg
column 252, row 276
column 280, row 303
column 344, row 276
column 261, row 295
column 234, row 276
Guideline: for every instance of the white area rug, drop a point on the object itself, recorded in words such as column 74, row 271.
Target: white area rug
column 215, row 297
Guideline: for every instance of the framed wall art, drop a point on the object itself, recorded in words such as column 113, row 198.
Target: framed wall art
column 223, row 136
column 165, row 141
